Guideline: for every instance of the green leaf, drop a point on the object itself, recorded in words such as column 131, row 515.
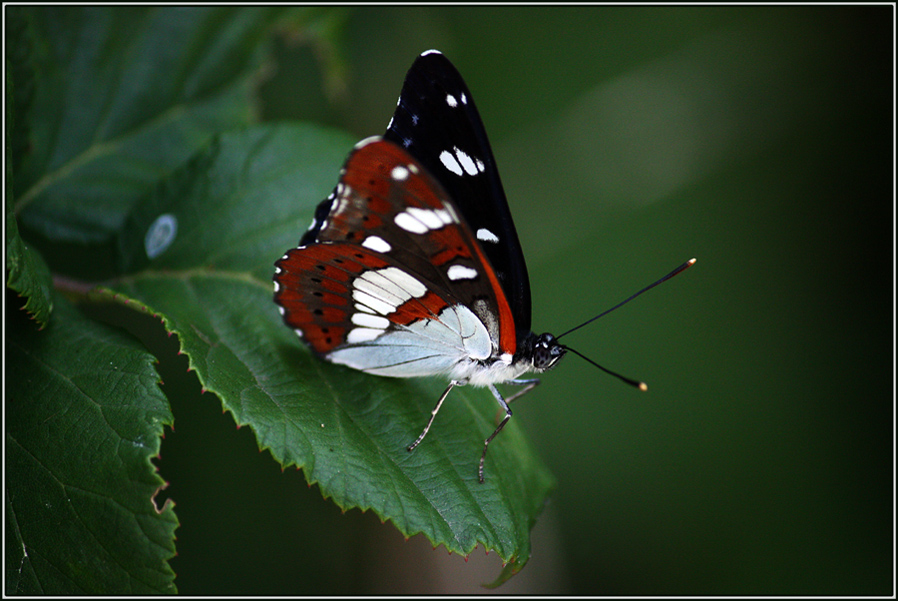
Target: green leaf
column 116, row 98
column 26, row 272
column 84, row 416
column 224, row 220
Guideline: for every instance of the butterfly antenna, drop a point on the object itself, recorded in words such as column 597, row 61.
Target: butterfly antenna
column 624, row 302
column 635, row 383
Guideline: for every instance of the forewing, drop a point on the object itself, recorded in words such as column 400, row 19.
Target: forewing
column 437, row 122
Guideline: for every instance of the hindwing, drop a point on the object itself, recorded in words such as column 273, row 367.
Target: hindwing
column 390, row 262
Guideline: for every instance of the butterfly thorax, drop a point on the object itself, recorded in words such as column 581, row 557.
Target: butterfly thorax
column 536, row 354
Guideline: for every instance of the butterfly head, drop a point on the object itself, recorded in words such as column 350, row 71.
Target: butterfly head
column 544, row 351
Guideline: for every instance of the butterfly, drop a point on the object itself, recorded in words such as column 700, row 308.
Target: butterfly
column 412, row 266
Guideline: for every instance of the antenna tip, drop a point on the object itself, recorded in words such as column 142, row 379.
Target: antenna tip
column 691, row 261
column 642, row 386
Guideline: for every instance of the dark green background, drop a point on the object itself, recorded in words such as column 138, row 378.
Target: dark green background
column 629, row 139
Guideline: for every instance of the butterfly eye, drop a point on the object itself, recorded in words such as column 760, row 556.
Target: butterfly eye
column 546, row 352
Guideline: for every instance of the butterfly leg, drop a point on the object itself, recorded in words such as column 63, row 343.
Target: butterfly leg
column 504, row 404
column 528, row 386
column 433, row 413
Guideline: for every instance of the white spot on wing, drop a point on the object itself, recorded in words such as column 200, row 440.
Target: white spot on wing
column 377, row 244
column 466, row 162
column 419, row 221
column 357, row 335
column 453, row 218
column 451, row 101
column 449, row 162
column 432, row 219
column 406, row 282
column 391, row 286
column 485, row 235
column 366, row 141
column 365, row 301
column 160, row 235
column 461, row 272
column 431, row 51
column 409, row 223
column 399, row 173
column 370, row 321
column 361, row 307
column 380, row 288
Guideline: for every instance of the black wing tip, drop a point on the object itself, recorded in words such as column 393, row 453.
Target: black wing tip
column 434, row 57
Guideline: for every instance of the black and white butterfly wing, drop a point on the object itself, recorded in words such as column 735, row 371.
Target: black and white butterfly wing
column 437, row 123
